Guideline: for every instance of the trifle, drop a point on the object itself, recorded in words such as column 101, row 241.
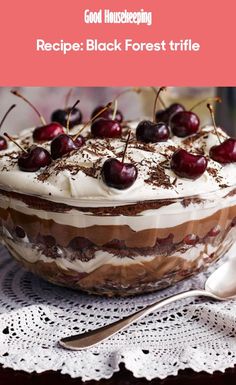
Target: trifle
column 129, row 210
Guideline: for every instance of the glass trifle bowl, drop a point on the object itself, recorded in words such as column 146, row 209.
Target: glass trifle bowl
column 66, row 225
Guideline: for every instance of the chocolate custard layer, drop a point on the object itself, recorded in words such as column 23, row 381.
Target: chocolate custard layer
column 35, row 227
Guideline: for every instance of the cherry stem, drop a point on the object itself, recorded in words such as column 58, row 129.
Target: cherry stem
column 115, row 109
column 69, row 115
column 210, row 108
column 161, row 89
column 4, row 117
column 134, row 89
column 16, row 93
column 12, row 140
column 68, row 96
column 91, row 120
column 216, row 99
column 160, row 99
column 126, row 146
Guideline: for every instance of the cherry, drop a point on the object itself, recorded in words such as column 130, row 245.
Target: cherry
column 191, row 239
column 80, row 243
column 108, row 114
column 184, row 123
column 214, row 231
column 188, row 165
column 166, row 114
column 63, row 144
column 79, row 141
column 32, row 159
column 174, row 108
column 102, row 127
column 113, row 113
column 106, row 128
column 48, row 132
column 224, row 152
column 3, row 142
column 118, row 174
column 78, row 138
column 61, row 116
column 152, row 132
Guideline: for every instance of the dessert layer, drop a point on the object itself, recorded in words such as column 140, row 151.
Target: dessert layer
column 120, row 279
column 180, row 210
column 101, row 235
column 75, row 178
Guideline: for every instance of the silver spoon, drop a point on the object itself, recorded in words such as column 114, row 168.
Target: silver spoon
column 221, row 285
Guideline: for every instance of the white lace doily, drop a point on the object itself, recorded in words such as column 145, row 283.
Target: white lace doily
column 34, row 315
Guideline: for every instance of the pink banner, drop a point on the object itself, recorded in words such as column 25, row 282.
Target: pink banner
column 151, row 42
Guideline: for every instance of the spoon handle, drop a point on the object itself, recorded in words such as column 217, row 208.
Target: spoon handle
column 93, row 337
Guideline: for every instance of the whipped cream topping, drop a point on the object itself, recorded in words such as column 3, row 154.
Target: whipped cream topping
column 75, row 178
